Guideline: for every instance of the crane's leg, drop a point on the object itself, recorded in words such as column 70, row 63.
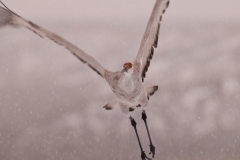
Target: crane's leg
column 134, row 124
column 152, row 148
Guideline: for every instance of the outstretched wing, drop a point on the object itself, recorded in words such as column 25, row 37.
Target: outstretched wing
column 150, row 37
column 7, row 17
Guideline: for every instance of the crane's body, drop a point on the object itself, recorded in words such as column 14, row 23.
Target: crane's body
column 128, row 89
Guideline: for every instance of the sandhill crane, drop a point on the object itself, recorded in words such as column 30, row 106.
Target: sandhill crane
column 126, row 84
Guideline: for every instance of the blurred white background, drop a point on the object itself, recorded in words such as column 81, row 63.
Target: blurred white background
column 51, row 103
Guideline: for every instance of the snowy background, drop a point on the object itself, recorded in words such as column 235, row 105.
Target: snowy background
column 51, row 104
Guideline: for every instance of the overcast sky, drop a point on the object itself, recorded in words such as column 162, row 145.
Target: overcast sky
column 104, row 9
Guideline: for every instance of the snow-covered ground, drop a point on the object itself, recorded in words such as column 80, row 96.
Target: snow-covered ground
column 51, row 104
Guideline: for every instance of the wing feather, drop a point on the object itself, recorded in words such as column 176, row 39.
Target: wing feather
column 7, row 17
column 150, row 37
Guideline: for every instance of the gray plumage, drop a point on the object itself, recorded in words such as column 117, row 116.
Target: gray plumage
column 127, row 87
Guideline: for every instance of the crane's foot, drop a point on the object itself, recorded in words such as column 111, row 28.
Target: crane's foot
column 152, row 150
column 144, row 157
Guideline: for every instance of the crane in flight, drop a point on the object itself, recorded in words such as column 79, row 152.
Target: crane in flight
column 127, row 83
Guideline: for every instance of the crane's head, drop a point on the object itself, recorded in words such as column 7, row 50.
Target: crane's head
column 127, row 66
